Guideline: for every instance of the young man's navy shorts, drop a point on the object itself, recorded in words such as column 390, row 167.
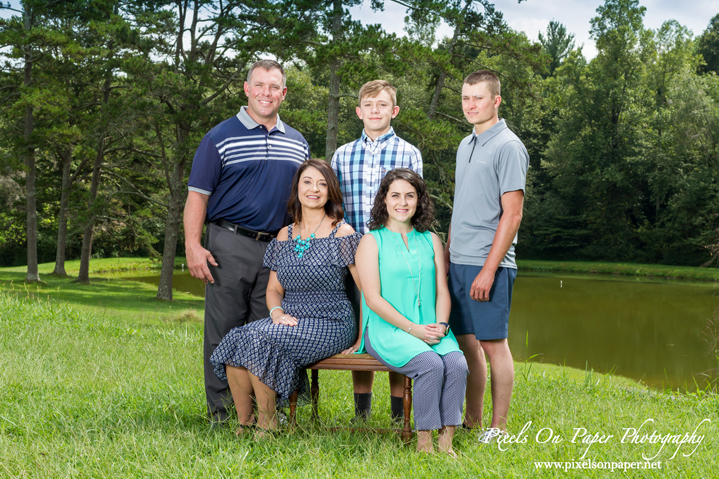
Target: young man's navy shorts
column 486, row 320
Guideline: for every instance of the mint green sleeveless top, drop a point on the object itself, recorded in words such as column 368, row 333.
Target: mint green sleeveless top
column 396, row 346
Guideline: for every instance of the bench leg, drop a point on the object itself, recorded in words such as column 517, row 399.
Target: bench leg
column 315, row 394
column 407, row 403
column 293, row 409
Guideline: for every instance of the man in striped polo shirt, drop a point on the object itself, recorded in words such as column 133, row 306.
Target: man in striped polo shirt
column 360, row 167
column 240, row 182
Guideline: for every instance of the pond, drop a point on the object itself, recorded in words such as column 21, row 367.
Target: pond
column 649, row 331
column 652, row 331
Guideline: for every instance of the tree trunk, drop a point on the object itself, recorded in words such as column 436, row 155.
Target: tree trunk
column 59, row 270
column 30, row 191
column 31, row 195
column 435, row 96
column 172, row 227
column 86, row 252
column 443, row 75
column 333, row 107
column 175, row 184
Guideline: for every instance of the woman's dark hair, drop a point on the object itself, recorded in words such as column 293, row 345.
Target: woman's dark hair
column 333, row 207
column 423, row 216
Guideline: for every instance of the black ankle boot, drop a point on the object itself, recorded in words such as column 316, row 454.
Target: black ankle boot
column 363, row 405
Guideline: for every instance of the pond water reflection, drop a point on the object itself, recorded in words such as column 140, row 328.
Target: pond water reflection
column 650, row 331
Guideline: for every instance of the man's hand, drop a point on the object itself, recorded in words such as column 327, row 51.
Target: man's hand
column 482, row 285
column 197, row 256
column 197, row 259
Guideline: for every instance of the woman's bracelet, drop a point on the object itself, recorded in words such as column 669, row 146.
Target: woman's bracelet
column 276, row 307
column 409, row 330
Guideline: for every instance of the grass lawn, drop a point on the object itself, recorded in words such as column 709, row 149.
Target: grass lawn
column 102, row 380
column 104, row 265
column 624, row 269
column 105, row 296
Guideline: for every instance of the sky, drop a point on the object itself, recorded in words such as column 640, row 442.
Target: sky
column 533, row 16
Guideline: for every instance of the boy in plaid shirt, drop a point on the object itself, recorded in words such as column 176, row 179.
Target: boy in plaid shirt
column 360, row 166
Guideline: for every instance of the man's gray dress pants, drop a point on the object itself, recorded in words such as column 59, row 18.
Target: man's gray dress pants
column 237, row 297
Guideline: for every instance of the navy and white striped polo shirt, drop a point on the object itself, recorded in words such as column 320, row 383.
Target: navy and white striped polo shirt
column 247, row 171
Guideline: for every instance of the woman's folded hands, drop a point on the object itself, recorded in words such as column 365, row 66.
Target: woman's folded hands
column 429, row 333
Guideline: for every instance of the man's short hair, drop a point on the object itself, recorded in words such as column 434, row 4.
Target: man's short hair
column 372, row 88
column 492, row 80
column 268, row 65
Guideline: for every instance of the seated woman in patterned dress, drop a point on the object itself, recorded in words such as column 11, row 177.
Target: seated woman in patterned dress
column 406, row 306
column 310, row 315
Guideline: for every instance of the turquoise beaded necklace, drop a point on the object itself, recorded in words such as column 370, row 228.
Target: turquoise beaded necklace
column 304, row 244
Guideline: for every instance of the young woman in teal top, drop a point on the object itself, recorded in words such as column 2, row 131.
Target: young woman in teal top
column 406, row 305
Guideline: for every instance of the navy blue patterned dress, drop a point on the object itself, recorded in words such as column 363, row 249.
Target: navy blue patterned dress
column 315, row 295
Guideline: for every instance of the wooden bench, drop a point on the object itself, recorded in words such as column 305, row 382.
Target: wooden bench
column 353, row 362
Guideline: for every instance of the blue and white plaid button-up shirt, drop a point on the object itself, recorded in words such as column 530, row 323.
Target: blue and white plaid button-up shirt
column 360, row 167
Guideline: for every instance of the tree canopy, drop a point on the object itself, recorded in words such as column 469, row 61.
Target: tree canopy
column 708, row 47
column 104, row 103
column 557, row 43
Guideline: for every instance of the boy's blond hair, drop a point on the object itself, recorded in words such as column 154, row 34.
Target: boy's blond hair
column 372, row 88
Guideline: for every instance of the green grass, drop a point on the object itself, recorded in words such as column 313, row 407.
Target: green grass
column 98, row 266
column 107, row 296
column 102, row 380
column 625, row 269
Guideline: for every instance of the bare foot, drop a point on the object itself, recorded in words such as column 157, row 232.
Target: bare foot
column 424, row 442
column 450, row 452
column 244, row 428
column 471, row 422
column 262, row 434
column 444, row 442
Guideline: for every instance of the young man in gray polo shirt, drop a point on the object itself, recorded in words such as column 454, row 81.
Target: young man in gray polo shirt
column 490, row 178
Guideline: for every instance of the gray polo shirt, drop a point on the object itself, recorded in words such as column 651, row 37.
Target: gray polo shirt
column 497, row 165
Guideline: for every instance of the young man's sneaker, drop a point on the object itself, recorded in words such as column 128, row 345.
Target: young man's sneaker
column 487, row 436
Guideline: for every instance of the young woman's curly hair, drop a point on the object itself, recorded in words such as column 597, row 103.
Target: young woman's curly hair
column 423, row 216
